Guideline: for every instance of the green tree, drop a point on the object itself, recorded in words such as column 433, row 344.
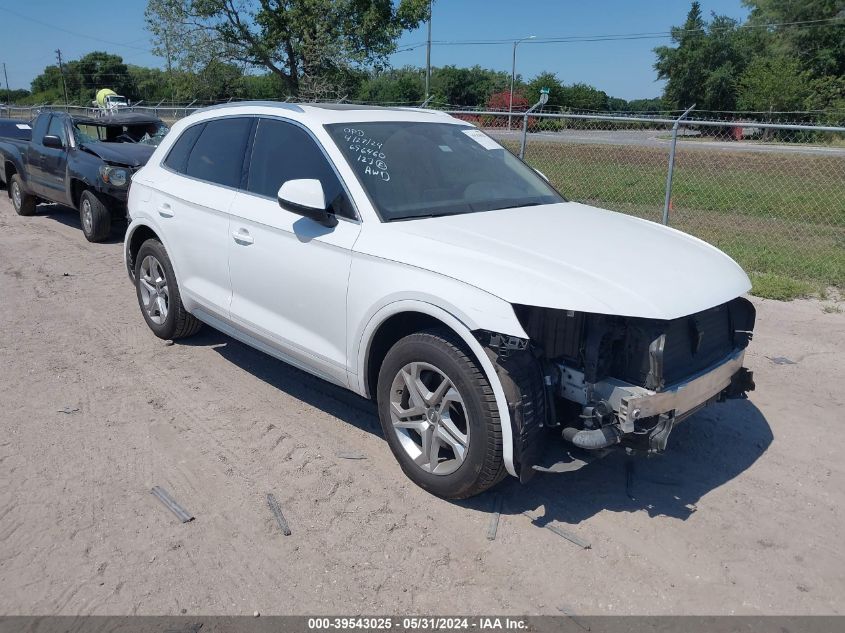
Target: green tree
column 101, row 70
column 466, row 87
column 774, row 84
column 704, row 65
column 819, row 48
column 296, row 40
column 683, row 66
column 546, row 80
column 581, row 96
column 398, row 86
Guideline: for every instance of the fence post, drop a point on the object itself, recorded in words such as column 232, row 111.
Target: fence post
column 668, row 200
column 544, row 97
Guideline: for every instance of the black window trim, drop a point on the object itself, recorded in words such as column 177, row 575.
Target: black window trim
column 247, row 149
column 248, row 159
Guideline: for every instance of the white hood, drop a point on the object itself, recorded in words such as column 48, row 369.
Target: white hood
column 569, row 256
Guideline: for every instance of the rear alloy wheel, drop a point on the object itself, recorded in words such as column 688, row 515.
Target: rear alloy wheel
column 158, row 294
column 23, row 202
column 439, row 415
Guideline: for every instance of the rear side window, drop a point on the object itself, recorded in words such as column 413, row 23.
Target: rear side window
column 283, row 151
column 218, row 154
column 177, row 158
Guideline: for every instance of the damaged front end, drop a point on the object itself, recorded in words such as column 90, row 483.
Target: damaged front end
column 615, row 381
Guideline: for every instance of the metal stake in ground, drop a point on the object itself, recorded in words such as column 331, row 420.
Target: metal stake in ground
column 493, row 527
column 183, row 515
column 277, row 512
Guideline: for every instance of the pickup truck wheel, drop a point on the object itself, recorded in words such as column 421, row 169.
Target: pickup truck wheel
column 439, row 416
column 95, row 217
column 23, row 202
column 158, row 294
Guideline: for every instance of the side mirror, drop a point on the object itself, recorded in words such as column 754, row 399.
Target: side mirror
column 305, row 197
column 53, row 141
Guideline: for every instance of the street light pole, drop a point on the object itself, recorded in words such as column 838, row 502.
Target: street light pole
column 428, row 55
column 513, row 76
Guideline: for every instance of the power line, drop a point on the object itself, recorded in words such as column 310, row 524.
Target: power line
column 834, row 21
column 74, row 33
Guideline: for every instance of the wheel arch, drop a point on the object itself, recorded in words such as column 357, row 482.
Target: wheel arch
column 135, row 236
column 77, row 187
column 401, row 318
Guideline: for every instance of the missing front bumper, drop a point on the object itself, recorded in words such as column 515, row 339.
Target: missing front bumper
column 641, row 418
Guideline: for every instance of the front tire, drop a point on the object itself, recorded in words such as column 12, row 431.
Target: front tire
column 158, row 294
column 439, row 415
column 23, row 202
column 94, row 217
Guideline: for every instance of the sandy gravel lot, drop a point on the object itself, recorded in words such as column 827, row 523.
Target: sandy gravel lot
column 744, row 515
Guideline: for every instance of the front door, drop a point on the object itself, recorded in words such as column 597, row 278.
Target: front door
column 54, row 163
column 289, row 273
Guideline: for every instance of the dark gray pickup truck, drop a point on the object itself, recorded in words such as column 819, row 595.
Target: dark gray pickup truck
column 83, row 162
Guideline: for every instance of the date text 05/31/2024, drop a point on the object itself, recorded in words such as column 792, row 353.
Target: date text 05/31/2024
column 417, row 623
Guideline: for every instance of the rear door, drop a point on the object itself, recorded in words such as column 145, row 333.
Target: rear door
column 289, row 273
column 34, row 172
column 207, row 168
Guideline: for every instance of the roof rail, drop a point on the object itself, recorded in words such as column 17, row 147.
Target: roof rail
column 265, row 104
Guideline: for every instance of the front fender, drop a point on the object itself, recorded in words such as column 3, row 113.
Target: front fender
column 462, row 330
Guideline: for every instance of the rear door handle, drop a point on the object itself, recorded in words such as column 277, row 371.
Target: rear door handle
column 242, row 236
column 165, row 211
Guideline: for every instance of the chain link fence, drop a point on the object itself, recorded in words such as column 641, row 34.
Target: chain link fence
column 770, row 195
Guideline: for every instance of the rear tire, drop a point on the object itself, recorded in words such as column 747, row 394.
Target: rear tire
column 23, row 202
column 446, row 437
column 158, row 294
column 94, row 217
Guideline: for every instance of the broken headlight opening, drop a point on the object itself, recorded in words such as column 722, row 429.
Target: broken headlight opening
column 619, row 381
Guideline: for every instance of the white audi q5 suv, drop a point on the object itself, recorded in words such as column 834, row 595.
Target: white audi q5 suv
column 407, row 256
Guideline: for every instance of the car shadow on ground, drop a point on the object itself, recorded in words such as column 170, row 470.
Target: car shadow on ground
column 705, row 451
column 334, row 400
column 70, row 217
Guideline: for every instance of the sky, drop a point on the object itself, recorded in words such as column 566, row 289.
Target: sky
column 30, row 32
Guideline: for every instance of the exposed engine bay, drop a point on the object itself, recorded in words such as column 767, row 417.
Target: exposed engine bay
column 614, row 380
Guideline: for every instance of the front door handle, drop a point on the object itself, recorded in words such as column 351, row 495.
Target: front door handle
column 165, row 211
column 242, row 236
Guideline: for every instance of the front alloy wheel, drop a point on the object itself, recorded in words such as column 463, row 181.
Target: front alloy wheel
column 429, row 418
column 439, row 415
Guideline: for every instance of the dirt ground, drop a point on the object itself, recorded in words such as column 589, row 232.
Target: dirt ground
column 743, row 515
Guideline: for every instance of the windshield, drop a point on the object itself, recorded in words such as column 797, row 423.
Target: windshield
column 145, row 133
column 412, row 169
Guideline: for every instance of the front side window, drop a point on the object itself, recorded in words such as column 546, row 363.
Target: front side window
column 218, row 154
column 283, row 151
column 57, row 128
column 421, row 169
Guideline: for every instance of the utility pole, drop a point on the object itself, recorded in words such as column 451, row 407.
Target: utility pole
column 62, row 71
column 428, row 55
column 8, row 92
